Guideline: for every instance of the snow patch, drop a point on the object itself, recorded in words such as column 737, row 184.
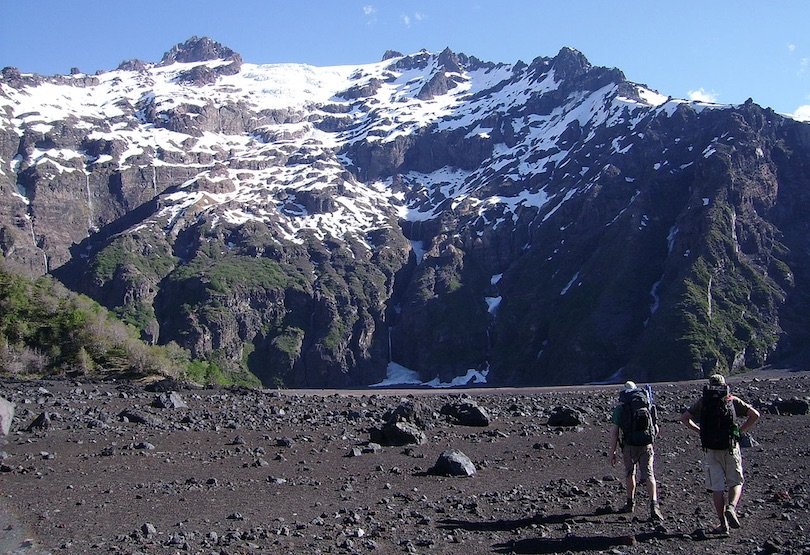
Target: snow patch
column 569, row 284
column 398, row 375
column 492, row 303
column 418, row 248
column 651, row 97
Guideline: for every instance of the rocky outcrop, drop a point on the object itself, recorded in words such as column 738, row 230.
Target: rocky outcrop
column 198, row 49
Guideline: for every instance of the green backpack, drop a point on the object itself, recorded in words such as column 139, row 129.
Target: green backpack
column 637, row 420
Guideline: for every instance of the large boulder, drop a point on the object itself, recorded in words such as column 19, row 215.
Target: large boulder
column 409, row 411
column 793, row 406
column 6, row 415
column 565, row 417
column 466, row 413
column 397, row 434
column 403, row 425
column 453, row 462
column 141, row 417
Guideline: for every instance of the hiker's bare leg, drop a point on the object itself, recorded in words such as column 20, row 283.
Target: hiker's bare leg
column 652, row 489
column 630, row 483
column 719, row 499
column 734, row 494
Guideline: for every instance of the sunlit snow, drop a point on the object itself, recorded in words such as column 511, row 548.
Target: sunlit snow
column 398, row 375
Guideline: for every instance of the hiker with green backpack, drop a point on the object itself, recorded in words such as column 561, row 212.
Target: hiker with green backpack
column 714, row 416
column 635, row 427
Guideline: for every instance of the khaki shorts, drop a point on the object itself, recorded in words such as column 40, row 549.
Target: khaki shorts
column 640, row 456
column 723, row 468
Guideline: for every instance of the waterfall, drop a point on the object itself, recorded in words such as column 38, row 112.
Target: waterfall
column 33, row 236
column 34, row 242
column 89, row 201
column 709, row 296
column 390, row 355
column 656, row 298
column 673, row 232
column 154, row 180
column 734, row 231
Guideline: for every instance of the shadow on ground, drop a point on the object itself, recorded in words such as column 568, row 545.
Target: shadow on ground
column 571, row 542
column 507, row 525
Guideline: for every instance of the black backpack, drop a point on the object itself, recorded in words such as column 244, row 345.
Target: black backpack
column 717, row 418
column 637, row 418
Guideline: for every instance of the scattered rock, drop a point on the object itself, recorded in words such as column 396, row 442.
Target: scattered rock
column 148, row 530
column 372, row 447
column 140, row 417
column 533, row 488
column 166, row 385
column 466, row 413
column 171, row 400
column 40, row 423
column 747, row 441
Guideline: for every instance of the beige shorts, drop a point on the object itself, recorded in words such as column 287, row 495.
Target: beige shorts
column 640, row 456
column 723, row 469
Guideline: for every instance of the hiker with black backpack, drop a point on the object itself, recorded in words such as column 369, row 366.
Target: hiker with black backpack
column 635, row 427
column 714, row 416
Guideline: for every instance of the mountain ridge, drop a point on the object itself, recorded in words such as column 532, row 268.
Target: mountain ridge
column 330, row 221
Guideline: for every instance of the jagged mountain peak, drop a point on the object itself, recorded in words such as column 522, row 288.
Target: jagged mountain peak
column 388, row 54
column 571, row 64
column 446, row 60
column 417, row 60
column 570, row 60
column 198, row 49
column 132, row 65
column 450, row 61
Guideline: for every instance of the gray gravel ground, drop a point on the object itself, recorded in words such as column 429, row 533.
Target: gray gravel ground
column 240, row 471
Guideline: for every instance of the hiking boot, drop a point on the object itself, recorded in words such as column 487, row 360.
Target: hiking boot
column 655, row 512
column 721, row 530
column 731, row 516
column 628, row 507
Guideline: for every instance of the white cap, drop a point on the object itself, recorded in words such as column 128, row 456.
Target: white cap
column 629, row 386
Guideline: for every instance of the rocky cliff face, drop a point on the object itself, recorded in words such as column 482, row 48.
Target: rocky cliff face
column 540, row 223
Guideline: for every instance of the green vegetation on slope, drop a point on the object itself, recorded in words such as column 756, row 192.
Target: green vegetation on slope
column 224, row 273
column 47, row 330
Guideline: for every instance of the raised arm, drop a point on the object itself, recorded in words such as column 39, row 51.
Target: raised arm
column 753, row 416
column 686, row 419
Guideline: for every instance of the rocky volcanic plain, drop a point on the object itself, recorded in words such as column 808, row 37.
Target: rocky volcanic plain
column 114, row 467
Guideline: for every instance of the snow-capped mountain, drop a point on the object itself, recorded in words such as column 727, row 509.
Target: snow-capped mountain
column 547, row 222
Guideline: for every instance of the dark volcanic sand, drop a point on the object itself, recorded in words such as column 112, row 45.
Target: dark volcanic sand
column 267, row 472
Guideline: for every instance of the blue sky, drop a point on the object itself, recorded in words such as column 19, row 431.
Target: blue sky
column 721, row 50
